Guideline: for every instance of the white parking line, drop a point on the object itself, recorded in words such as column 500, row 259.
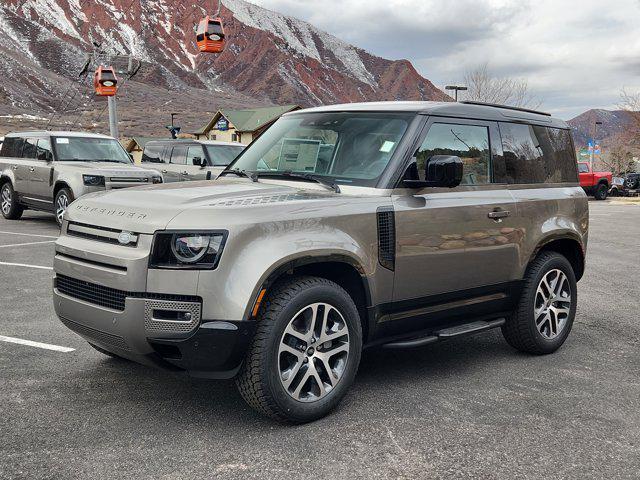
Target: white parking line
column 25, row 244
column 28, row 234
column 25, row 265
column 29, row 343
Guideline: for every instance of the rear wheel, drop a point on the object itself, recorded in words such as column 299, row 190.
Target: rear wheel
column 11, row 209
column 63, row 198
column 305, row 352
column 601, row 192
column 544, row 317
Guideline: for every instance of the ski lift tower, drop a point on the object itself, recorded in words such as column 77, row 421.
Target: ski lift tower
column 124, row 66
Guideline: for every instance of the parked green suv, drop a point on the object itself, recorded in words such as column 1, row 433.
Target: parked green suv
column 340, row 228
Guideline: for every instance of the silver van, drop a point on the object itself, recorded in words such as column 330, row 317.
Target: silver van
column 47, row 171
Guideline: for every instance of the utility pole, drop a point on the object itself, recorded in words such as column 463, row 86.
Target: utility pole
column 593, row 144
column 457, row 89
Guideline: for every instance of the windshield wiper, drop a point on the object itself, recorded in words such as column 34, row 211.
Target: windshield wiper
column 305, row 176
column 241, row 173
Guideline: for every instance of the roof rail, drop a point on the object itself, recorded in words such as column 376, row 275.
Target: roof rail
column 507, row 107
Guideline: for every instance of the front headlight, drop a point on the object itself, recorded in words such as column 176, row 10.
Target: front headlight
column 93, row 180
column 188, row 250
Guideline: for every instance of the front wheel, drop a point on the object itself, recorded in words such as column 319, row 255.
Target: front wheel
column 11, row 209
column 63, row 198
column 305, row 353
column 601, row 192
column 544, row 316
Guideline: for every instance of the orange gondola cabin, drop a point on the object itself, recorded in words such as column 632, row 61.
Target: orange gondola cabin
column 210, row 35
column 105, row 82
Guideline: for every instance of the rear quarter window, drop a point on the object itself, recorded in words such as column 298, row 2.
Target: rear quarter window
column 12, row 147
column 536, row 154
column 153, row 154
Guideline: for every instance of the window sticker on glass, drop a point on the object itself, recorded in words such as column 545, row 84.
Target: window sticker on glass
column 299, row 155
column 62, row 141
column 387, row 146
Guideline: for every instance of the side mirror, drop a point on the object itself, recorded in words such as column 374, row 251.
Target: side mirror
column 441, row 171
column 199, row 162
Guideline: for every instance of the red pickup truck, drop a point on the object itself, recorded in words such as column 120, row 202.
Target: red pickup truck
column 596, row 184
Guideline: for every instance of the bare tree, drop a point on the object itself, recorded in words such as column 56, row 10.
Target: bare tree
column 630, row 103
column 486, row 87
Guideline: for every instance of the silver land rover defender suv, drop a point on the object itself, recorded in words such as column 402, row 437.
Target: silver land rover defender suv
column 46, row 170
column 340, row 228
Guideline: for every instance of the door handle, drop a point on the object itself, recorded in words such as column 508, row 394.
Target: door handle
column 15, row 167
column 32, row 169
column 163, row 171
column 185, row 173
column 499, row 214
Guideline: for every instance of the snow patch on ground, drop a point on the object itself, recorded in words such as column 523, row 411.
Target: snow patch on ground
column 50, row 13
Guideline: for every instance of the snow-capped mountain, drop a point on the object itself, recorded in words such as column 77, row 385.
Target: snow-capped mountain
column 270, row 59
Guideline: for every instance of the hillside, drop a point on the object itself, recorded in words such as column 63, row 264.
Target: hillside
column 614, row 124
column 270, row 59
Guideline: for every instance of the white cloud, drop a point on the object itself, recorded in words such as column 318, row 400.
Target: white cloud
column 575, row 54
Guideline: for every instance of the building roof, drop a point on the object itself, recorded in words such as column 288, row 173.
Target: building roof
column 448, row 109
column 248, row 120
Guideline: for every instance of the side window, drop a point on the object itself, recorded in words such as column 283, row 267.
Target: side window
column 30, row 149
column 12, row 147
column 522, row 154
column 152, row 154
column 583, row 168
column 559, row 154
column 194, row 152
column 536, row 154
column 44, row 150
column 179, row 156
column 469, row 142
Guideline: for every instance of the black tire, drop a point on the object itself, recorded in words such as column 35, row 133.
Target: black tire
column 11, row 210
column 259, row 381
column 601, row 192
column 632, row 183
column 63, row 195
column 105, row 352
column 520, row 330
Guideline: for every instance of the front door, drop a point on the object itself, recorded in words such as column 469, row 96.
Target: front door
column 456, row 249
column 194, row 169
column 42, row 174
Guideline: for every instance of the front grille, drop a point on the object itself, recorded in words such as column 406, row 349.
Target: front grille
column 91, row 293
column 96, row 335
column 110, row 297
column 100, row 234
column 129, row 180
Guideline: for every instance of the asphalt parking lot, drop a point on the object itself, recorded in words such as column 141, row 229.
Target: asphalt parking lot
column 469, row 408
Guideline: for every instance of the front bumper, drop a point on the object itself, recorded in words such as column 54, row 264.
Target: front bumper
column 164, row 331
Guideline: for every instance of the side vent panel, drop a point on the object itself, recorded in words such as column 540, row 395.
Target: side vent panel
column 387, row 238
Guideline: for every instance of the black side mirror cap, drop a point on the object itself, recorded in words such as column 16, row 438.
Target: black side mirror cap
column 441, row 171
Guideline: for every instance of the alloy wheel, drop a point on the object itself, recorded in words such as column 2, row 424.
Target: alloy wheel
column 313, row 352
column 552, row 304
column 6, row 200
column 61, row 206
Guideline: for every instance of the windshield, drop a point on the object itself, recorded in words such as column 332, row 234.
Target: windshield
column 346, row 148
column 84, row 149
column 223, row 155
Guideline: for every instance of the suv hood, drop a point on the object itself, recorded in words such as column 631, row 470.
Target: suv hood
column 109, row 168
column 150, row 208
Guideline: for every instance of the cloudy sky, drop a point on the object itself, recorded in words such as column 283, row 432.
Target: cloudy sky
column 575, row 54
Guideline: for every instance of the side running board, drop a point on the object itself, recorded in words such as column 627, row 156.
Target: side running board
column 446, row 333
